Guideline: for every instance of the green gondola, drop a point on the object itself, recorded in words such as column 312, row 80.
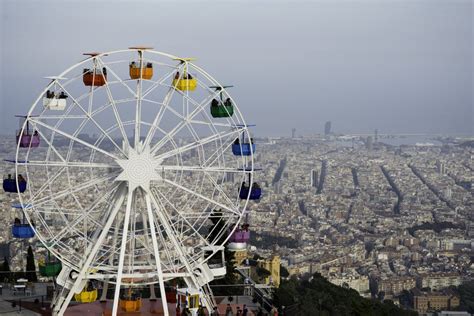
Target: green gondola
column 50, row 269
column 219, row 106
column 222, row 110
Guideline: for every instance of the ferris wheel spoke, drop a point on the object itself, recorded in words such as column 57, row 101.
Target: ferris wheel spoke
column 162, row 80
column 226, row 145
column 170, row 254
column 179, row 186
column 51, row 146
column 90, row 117
column 164, row 106
column 197, row 122
column 151, row 221
column 219, row 189
column 138, row 104
column 71, row 137
column 48, row 183
column 184, row 219
column 114, row 106
column 185, row 121
column 200, row 169
column 68, row 164
column 173, row 224
column 178, row 245
column 68, row 191
column 119, row 80
column 123, row 248
column 158, row 117
column 195, row 144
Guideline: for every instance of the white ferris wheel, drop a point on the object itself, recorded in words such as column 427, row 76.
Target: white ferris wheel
column 129, row 157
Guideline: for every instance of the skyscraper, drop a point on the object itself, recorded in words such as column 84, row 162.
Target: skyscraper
column 369, row 143
column 314, row 178
column 327, row 128
column 293, row 132
column 440, row 167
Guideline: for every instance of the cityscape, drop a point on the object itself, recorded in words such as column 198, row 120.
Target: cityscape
column 237, row 158
column 382, row 219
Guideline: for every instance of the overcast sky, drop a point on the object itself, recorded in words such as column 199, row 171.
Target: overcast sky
column 398, row 66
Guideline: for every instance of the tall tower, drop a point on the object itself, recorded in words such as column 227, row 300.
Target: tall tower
column 314, row 178
column 376, row 136
column 293, row 132
column 369, row 143
column 327, row 128
column 441, row 167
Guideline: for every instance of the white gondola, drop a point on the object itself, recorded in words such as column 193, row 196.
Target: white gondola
column 54, row 104
column 217, row 262
column 55, row 99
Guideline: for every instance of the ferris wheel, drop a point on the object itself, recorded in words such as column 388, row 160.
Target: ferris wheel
column 131, row 158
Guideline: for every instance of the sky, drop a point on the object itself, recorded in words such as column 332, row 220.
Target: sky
column 398, row 66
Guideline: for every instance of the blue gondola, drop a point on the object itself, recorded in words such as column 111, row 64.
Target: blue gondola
column 252, row 194
column 9, row 185
column 23, row 231
column 243, row 149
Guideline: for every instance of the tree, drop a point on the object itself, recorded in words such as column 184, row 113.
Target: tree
column 284, row 272
column 5, row 269
column 466, row 291
column 30, row 266
column 263, row 273
column 317, row 296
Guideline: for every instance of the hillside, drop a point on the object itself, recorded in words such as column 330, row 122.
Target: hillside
column 317, row 296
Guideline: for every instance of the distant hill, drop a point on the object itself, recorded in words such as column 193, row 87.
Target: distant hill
column 317, row 296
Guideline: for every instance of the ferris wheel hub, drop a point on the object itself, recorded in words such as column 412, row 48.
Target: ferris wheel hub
column 139, row 169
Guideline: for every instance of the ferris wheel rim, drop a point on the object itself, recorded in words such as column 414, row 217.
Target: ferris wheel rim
column 67, row 161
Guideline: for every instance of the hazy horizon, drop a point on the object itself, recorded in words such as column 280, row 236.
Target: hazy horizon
column 395, row 66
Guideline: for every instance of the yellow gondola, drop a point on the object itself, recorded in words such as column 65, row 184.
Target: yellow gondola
column 88, row 295
column 146, row 71
column 131, row 306
column 131, row 301
column 185, row 82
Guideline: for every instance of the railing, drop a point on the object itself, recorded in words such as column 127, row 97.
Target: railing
column 261, row 293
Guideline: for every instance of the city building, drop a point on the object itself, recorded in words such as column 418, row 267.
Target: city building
column 273, row 265
column 396, row 285
column 327, row 128
column 434, row 301
column 314, row 178
column 438, row 281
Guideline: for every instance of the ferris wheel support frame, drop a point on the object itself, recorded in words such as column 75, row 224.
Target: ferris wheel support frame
column 156, row 203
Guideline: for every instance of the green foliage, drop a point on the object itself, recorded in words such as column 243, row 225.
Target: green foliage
column 5, row 269
column 284, row 272
column 317, row 296
column 437, row 227
column 262, row 272
column 30, row 266
column 466, row 291
column 267, row 241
